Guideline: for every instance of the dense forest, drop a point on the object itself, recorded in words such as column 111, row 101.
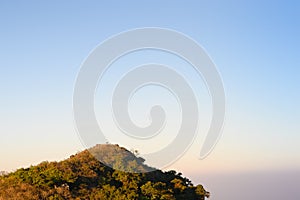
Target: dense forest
column 82, row 176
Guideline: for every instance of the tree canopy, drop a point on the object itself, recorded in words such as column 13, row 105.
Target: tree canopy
column 82, row 176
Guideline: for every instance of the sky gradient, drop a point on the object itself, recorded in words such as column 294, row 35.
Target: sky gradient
column 254, row 44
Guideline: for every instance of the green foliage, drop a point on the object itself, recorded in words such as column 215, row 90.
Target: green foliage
column 82, row 176
column 155, row 191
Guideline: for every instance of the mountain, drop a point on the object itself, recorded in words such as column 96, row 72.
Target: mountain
column 82, row 176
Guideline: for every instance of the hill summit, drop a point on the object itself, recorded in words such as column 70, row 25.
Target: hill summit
column 83, row 176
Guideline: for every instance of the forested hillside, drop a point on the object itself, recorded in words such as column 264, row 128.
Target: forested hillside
column 82, row 176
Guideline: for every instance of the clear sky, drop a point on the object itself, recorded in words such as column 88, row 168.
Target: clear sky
column 255, row 45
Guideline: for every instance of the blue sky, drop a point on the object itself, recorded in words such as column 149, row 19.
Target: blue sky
column 255, row 45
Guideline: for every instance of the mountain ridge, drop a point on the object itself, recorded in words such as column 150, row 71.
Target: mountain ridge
column 83, row 176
